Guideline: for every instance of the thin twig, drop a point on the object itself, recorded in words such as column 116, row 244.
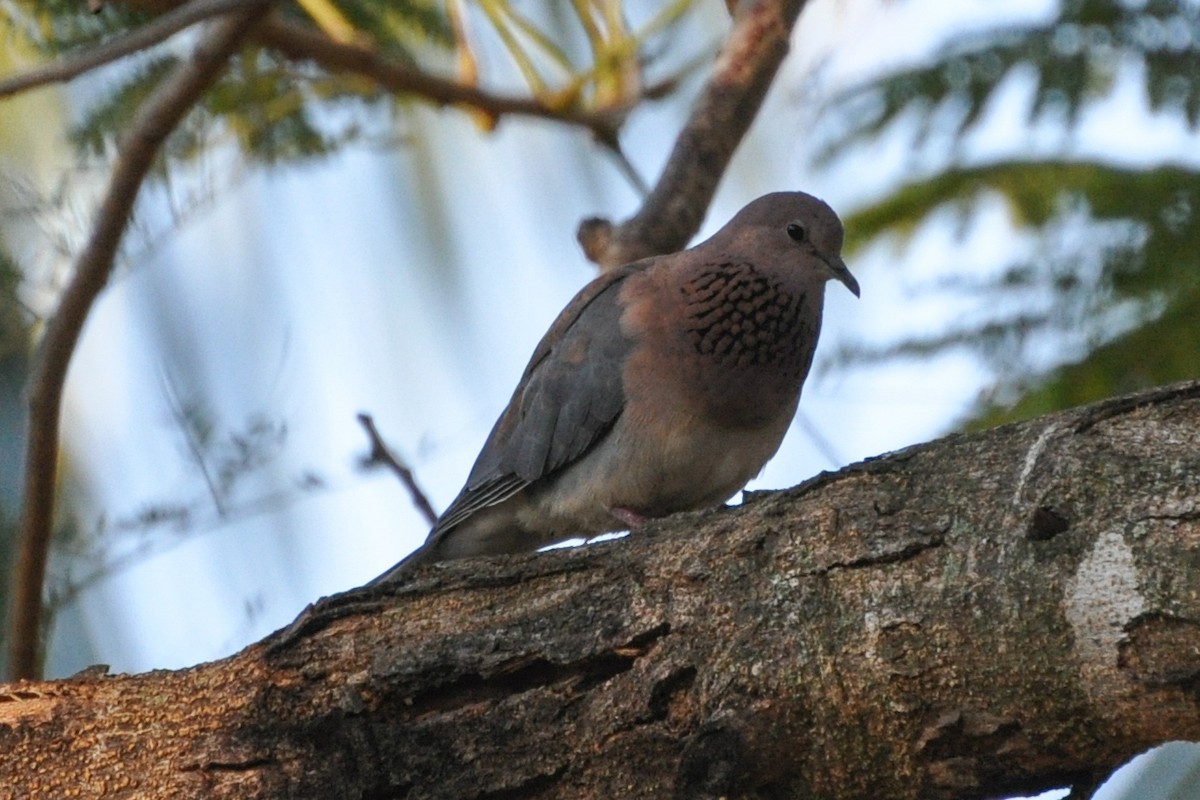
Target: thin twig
column 195, row 449
column 628, row 169
column 819, row 440
column 382, row 454
column 148, row 35
column 155, row 120
column 727, row 105
column 189, row 526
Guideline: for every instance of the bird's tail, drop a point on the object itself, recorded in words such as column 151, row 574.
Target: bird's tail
column 425, row 554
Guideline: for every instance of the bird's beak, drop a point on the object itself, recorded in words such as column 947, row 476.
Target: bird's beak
column 842, row 273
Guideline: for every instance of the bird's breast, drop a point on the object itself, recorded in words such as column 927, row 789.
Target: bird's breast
column 733, row 342
column 736, row 317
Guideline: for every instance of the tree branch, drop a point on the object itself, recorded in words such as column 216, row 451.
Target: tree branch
column 382, row 454
column 300, row 42
column 910, row 627
column 674, row 209
column 727, row 106
column 303, row 43
column 148, row 35
column 155, row 120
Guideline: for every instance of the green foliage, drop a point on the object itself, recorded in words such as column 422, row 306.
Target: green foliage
column 275, row 109
column 1147, row 269
column 98, row 124
column 57, row 27
column 274, row 112
column 1163, row 350
column 1073, row 59
column 401, row 29
column 1116, row 281
column 14, row 325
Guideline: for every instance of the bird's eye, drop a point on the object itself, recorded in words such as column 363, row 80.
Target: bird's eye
column 797, row 232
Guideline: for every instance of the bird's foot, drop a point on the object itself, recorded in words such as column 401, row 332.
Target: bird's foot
column 631, row 518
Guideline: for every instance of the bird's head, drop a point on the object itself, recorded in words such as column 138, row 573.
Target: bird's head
column 790, row 229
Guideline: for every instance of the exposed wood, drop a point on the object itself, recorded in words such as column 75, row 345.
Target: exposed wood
column 986, row 614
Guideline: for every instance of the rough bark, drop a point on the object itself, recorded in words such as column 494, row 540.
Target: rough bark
column 988, row 613
column 721, row 116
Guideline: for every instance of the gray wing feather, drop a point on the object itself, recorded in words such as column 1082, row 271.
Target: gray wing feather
column 569, row 396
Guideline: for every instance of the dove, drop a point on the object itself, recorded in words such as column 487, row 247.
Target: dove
column 664, row 386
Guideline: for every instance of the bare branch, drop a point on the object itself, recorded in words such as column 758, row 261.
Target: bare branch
column 728, row 104
column 154, row 122
column 300, row 42
column 148, row 35
column 195, row 449
column 382, row 454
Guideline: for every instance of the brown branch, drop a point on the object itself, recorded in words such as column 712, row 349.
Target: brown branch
column 148, row 35
column 157, row 117
column 674, row 209
column 303, row 43
column 905, row 628
column 382, row 454
column 300, row 42
column 727, row 106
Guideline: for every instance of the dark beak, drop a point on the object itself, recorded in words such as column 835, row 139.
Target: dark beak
column 842, row 273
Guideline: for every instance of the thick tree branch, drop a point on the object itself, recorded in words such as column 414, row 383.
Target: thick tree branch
column 727, row 106
column 989, row 614
column 155, row 120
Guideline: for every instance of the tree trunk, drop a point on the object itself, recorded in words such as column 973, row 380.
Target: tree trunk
column 1006, row 611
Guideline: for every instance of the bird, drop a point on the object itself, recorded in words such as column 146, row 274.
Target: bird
column 664, row 385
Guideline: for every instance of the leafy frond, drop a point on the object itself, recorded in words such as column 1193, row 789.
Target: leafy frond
column 1128, row 276
column 579, row 55
column 1161, row 202
column 1073, row 60
column 56, row 27
column 14, row 319
column 274, row 111
column 99, row 125
column 1163, row 350
column 401, row 30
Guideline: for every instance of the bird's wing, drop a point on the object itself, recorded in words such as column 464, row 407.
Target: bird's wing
column 569, row 395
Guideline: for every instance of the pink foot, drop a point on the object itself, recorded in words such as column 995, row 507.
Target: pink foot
column 631, row 518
